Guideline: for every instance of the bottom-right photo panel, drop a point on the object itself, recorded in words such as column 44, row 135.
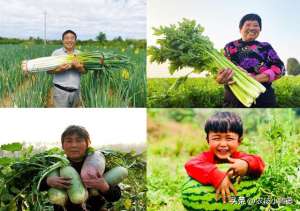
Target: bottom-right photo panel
column 223, row 159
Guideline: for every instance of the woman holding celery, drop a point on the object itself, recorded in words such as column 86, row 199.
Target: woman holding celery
column 259, row 60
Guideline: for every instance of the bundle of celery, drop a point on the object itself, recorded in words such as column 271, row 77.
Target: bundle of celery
column 185, row 46
column 91, row 61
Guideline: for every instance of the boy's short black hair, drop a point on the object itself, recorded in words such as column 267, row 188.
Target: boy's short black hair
column 68, row 31
column 224, row 122
column 250, row 17
column 75, row 129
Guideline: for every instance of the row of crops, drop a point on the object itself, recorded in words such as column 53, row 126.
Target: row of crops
column 123, row 88
column 207, row 93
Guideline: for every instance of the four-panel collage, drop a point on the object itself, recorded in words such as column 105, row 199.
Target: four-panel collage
column 149, row 105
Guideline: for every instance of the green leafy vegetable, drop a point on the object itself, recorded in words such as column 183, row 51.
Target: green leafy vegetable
column 184, row 45
column 13, row 147
column 20, row 177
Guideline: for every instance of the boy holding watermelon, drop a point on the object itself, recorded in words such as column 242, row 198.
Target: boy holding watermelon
column 224, row 133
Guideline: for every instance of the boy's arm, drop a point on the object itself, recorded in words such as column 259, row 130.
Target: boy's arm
column 202, row 169
column 255, row 165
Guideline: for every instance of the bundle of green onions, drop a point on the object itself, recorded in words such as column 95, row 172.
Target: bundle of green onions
column 185, row 46
column 91, row 60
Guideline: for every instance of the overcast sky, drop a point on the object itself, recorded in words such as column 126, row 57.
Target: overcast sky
column 220, row 18
column 106, row 126
column 24, row 18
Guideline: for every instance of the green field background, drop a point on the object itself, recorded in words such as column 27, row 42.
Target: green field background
column 206, row 93
column 121, row 88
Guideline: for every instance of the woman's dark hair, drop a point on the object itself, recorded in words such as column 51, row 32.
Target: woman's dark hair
column 250, row 17
column 224, row 122
column 69, row 31
column 78, row 130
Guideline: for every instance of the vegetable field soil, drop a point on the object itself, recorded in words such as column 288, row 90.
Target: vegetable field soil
column 176, row 135
column 124, row 88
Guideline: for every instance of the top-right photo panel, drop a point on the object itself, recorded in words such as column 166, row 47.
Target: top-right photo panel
column 212, row 54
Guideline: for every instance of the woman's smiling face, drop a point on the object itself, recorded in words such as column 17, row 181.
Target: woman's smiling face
column 223, row 145
column 75, row 147
column 250, row 30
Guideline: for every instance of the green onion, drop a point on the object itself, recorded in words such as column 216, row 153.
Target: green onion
column 91, row 60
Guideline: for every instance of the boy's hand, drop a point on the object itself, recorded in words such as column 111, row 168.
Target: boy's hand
column 239, row 167
column 224, row 188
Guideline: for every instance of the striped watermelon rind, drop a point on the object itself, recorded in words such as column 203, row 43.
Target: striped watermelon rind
column 196, row 196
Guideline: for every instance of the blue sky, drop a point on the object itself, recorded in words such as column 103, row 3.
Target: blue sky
column 220, row 18
column 24, row 18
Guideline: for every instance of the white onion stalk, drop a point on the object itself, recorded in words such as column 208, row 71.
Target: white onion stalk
column 46, row 63
column 91, row 61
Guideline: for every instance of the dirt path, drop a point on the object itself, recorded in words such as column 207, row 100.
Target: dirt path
column 50, row 98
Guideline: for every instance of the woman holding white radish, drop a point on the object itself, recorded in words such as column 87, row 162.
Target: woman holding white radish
column 92, row 186
column 258, row 59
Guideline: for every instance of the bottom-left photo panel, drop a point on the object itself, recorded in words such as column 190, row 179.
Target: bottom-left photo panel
column 72, row 159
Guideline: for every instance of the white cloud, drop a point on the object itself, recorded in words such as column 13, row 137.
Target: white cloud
column 24, row 18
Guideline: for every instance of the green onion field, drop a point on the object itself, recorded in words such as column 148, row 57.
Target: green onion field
column 124, row 88
column 176, row 135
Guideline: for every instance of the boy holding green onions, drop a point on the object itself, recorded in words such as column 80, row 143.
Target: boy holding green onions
column 66, row 79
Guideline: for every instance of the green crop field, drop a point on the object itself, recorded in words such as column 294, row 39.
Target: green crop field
column 206, row 93
column 123, row 88
column 176, row 135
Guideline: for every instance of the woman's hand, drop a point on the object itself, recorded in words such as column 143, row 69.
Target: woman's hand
column 239, row 167
column 262, row 78
column 59, row 182
column 224, row 188
column 98, row 183
column 224, row 76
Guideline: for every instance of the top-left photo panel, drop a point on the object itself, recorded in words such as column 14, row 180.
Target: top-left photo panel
column 70, row 54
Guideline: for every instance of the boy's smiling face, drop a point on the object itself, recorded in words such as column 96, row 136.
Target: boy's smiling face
column 223, row 145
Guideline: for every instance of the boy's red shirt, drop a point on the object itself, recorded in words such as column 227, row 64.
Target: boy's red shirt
column 203, row 167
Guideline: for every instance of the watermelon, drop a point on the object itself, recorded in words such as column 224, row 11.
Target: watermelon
column 196, row 196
